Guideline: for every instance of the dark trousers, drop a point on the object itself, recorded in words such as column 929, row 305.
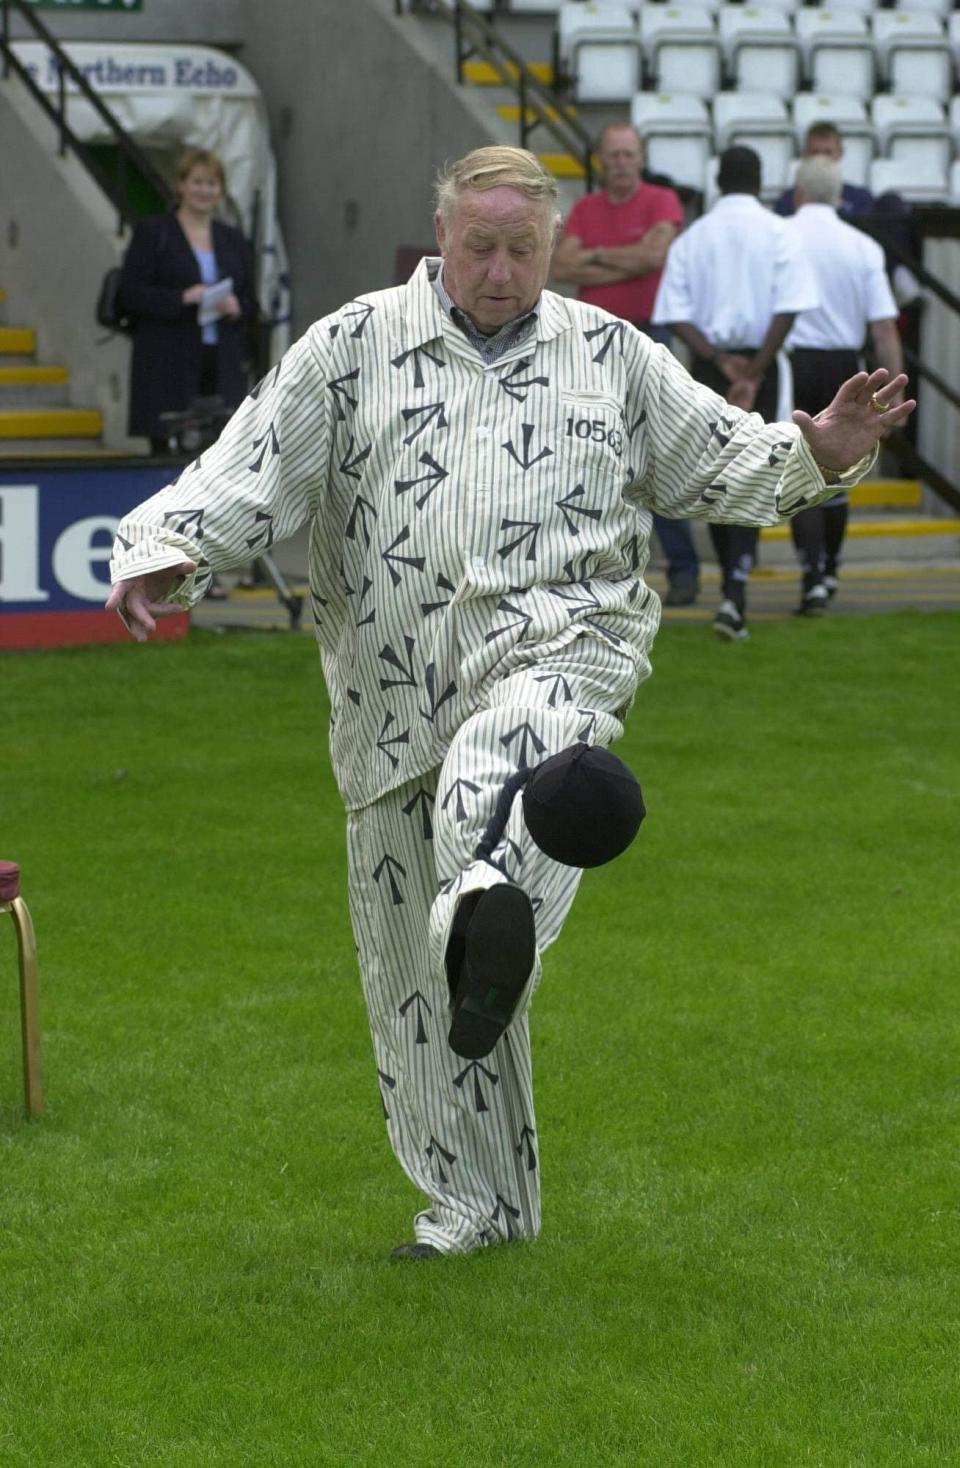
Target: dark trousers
column 675, row 536
column 735, row 546
column 677, row 541
column 818, row 533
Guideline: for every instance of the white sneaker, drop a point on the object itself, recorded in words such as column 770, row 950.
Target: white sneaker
column 729, row 623
column 815, row 602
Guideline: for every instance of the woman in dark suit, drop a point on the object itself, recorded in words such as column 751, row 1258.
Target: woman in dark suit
column 169, row 263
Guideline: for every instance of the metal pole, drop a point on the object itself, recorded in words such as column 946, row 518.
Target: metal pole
column 458, row 40
column 62, row 100
column 121, row 188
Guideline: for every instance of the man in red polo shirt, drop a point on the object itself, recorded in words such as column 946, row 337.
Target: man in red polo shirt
column 613, row 249
column 615, row 241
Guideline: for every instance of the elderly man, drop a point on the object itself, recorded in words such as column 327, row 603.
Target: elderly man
column 612, row 249
column 825, row 346
column 478, row 460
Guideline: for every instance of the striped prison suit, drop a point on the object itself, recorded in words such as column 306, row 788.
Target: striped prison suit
column 478, row 536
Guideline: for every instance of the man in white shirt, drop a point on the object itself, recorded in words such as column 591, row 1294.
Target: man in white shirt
column 731, row 288
column 478, row 460
column 826, row 345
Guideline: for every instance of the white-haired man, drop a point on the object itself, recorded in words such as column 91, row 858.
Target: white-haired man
column 825, row 348
column 478, row 459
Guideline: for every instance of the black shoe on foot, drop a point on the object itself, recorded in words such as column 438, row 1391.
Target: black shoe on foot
column 814, row 602
column 730, row 622
column 414, row 1251
column 499, row 950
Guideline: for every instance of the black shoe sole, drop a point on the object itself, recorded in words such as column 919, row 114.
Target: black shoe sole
column 500, row 948
column 414, row 1251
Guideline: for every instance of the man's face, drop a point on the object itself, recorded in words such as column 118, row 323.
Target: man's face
column 496, row 254
column 824, row 145
column 621, row 158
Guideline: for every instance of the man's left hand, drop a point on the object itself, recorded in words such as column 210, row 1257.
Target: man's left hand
column 742, row 393
column 865, row 409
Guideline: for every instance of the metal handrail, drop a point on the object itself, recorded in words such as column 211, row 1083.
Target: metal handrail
column 920, row 369
column 128, row 152
column 918, row 467
column 475, row 33
column 877, row 226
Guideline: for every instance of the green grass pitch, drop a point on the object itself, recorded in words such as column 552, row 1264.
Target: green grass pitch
column 745, row 1046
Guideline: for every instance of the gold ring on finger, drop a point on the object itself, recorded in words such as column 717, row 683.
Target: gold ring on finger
column 877, row 406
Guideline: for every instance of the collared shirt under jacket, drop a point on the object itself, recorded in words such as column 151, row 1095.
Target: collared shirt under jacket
column 467, row 520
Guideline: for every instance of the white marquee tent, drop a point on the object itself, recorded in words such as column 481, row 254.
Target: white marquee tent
column 171, row 97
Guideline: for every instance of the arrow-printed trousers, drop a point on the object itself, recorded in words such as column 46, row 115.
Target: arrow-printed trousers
column 465, row 1131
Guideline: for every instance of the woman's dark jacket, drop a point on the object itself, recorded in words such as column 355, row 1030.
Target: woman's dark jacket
column 158, row 267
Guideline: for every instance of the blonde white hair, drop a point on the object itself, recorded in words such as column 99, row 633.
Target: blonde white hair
column 819, row 180
column 495, row 168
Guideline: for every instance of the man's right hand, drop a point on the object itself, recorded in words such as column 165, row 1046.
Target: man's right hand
column 743, row 393
column 733, row 365
column 141, row 599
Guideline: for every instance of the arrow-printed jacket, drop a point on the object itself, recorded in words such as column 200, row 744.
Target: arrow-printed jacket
column 466, row 519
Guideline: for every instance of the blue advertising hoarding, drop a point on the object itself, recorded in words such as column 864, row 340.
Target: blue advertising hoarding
column 57, row 524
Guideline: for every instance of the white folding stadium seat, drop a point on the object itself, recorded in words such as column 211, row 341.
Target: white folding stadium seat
column 711, row 190
column 913, row 130
column 711, row 6
column 859, row 7
column 760, row 121
column 938, row 7
column 856, row 130
column 682, row 48
column 837, row 51
column 761, row 50
column 953, row 37
column 677, row 135
column 916, row 186
column 914, row 56
column 600, row 46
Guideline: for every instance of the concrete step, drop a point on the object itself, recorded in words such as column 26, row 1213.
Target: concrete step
column 896, row 526
column 510, row 112
column 484, row 74
column 17, row 341
column 16, row 450
column 877, row 539
column 32, row 385
column 59, row 450
column 29, row 374
column 27, row 425
column 905, row 494
column 563, row 165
